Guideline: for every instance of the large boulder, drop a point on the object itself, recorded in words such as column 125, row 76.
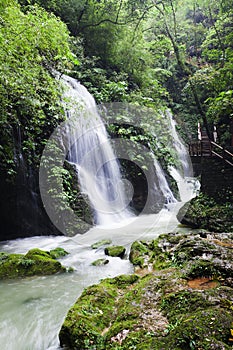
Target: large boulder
column 204, row 212
column 115, row 251
column 179, row 305
column 35, row 263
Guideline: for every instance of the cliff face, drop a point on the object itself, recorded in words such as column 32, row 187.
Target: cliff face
column 21, row 208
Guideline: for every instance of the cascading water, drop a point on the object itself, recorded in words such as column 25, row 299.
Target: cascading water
column 163, row 184
column 33, row 309
column 185, row 167
column 91, row 153
column 183, row 173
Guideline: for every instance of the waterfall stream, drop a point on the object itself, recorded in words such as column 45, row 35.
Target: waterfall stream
column 33, row 309
column 91, row 153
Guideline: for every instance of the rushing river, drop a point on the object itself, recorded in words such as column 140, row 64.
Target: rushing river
column 33, row 309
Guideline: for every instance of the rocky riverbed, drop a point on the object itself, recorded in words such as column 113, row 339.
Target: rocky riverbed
column 180, row 297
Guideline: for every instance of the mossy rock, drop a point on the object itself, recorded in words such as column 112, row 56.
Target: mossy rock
column 204, row 329
column 100, row 262
column 93, row 313
column 58, row 253
column 204, row 212
column 115, row 251
column 35, row 263
column 162, row 310
column 88, row 318
column 192, row 247
column 204, row 268
column 122, row 281
column 183, row 302
column 139, row 254
column 37, row 252
column 101, row 243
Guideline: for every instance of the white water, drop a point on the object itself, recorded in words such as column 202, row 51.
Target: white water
column 183, row 174
column 33, row 309
column 163, row 184
column 91, row 152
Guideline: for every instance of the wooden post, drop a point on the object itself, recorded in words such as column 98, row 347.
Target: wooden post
column 231, row 131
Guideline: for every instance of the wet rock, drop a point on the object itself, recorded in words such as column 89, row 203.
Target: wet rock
column 139, row 254
column 100, row 262
column 204, row 212
column 185, row 302
column 115, row 251
column 101, row 243
column 58, row 253
column 88, row 320
column 35, row 263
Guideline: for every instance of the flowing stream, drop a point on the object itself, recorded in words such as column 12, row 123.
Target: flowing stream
column 33, row 309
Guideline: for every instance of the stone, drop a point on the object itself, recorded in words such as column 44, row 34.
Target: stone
column 115, row 251
column 35, row 263
column 203, row 212
column 101, row 243
column 185, row 302
column 58, row 253
column 100, row 262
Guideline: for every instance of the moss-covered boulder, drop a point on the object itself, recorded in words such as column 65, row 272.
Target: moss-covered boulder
column 139, row 254
column 35, row 263
column 88, row 320
column 100, row 262
column 204, row 212
column 115, row 251
column 184, row 303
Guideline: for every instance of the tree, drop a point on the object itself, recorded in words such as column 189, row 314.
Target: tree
column 32, row 45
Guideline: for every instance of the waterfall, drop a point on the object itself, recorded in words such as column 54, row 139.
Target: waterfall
column 90, row 152
column 185, row 167
column 183, row 173
column 163, row 184
column 92, row 155
column 44, row 301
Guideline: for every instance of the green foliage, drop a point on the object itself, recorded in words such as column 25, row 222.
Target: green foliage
column 32, row 44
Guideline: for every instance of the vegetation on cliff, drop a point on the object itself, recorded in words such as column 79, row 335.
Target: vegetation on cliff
column 174, row 54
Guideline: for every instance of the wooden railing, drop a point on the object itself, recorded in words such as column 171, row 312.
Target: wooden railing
column 195, row 148
column 221, row 152
column 207, row 148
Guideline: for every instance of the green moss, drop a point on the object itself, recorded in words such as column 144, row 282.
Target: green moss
column 101, row 243
column 189, row 248
column 37, row 252
column 183, row 302
column 201, row 329
column 204, row 212
column 115, row 251
column 35, row 262
column 139, row 253
column 58, row 253
column 100, row 262
column 122, row 281
column 159, row 311
column 90, row 315
column 208, row 268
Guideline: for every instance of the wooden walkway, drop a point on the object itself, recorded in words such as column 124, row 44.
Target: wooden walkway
column 207, row 148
